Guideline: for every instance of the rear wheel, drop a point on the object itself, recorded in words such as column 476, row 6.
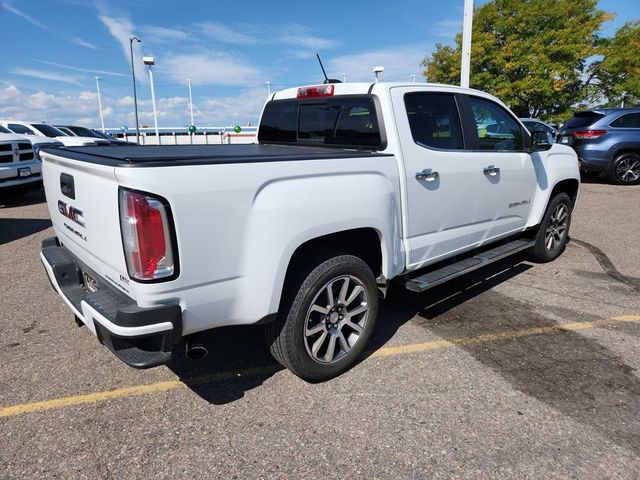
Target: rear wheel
column 554, row 230
column 326, row 320
column 625, row 169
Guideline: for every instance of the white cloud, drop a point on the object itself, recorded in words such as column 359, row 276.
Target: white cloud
column 209, row 68
column 299, row 36
column 158, row 34
column 399, row 62
column 122, row 29
column 84, row 70
column 225, row 34
column 82, row 108
column 30, row 72
column 10, row 7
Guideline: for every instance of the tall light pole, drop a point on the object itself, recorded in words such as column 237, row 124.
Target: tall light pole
column 465, row 64
column 135, row 94
column 149, row 61
column 190, row 102
column 100, row 103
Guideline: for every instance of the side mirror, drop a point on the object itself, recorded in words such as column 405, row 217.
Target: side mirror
column 541, row 140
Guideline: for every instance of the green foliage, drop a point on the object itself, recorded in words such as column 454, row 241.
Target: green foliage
column 532, row 54
column 618, row 72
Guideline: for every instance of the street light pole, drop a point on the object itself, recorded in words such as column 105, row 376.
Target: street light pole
column 465, row 66
column 190, row 102
column 100, row 103
column 149, row 61
column 135, row 94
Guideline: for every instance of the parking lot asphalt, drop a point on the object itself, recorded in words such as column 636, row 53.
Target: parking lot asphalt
column 517, row 371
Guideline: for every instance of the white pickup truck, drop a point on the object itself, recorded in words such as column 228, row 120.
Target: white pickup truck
column 350, row 186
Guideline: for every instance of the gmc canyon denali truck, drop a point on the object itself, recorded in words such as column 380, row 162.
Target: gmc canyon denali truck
column 350, row 186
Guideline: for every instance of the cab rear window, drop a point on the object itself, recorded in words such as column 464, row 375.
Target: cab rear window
column 345, row 121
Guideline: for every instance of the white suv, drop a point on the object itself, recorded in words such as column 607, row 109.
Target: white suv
column 19, row 167
column 44, row 130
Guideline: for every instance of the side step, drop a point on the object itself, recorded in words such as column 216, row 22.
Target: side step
column 466, row 265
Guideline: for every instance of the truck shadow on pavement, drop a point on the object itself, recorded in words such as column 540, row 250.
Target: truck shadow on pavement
column 33, row 197
column 239, row 360
column 564, row 373
column 16, row 228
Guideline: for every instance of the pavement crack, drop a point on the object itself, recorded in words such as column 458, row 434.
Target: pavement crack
column 607, row 265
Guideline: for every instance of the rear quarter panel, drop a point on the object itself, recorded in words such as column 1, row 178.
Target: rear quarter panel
column 237, row 226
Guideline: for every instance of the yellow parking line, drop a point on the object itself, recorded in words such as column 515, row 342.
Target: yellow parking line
column 383, row 352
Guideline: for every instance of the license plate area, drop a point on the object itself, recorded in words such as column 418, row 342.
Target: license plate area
column 89, row 282
column 24, row 172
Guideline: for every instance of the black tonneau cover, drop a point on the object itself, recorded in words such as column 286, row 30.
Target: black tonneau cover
column 171, row 155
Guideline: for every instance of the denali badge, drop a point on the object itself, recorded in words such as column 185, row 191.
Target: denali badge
column 71, row 213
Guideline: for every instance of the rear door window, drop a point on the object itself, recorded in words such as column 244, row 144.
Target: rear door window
column 629, row 120
column 497, row 129
column 434, row 120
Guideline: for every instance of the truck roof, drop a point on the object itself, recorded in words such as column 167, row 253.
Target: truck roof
column 363, row 88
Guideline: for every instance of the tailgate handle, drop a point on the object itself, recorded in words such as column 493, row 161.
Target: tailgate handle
column 67, row 186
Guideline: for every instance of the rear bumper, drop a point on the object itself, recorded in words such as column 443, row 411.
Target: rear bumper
column 140, row 337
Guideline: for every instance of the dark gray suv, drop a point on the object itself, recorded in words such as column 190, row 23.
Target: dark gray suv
column 606, row 140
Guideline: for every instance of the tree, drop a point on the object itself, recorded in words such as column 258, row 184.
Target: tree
column 532, row 54
column 618, row 71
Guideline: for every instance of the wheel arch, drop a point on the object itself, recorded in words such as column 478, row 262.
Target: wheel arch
column 569, row 186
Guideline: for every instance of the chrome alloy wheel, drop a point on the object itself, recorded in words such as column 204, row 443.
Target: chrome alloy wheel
column 628, row 170
column 557, row 227
column 336, row 319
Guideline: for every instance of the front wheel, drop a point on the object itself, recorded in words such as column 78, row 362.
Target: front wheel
column 326, row 320
column 553, row 231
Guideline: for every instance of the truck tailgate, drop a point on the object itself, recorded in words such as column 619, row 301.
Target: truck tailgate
column 82, row 198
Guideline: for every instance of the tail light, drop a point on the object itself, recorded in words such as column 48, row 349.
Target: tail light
column 146, row 226
column 313, row 92
column 588, row 134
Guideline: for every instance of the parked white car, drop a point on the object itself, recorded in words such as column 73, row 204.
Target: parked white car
column 350, row 187
column 31, row 129
column 19, row 167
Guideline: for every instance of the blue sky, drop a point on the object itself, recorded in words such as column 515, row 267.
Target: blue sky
column 54, row 48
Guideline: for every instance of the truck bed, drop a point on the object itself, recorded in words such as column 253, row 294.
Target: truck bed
column 172, row 155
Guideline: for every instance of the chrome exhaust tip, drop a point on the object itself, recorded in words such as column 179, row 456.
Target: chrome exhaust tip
column 195, row 349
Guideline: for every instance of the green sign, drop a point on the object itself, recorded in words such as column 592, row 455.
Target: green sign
column 237, row 129
column 192, row 129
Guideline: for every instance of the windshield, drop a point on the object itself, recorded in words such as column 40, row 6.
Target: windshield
column 48, row 130
column 83, row 132
column 5, row 130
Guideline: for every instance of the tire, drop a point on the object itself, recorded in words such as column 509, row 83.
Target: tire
column 553, row 232
column 317, row 338
column 625, row 169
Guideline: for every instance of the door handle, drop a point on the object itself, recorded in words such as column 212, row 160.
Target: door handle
column 491, row 170
column 428, row 175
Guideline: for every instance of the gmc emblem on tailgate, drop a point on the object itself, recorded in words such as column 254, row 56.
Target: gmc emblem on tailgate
column 71, row 213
